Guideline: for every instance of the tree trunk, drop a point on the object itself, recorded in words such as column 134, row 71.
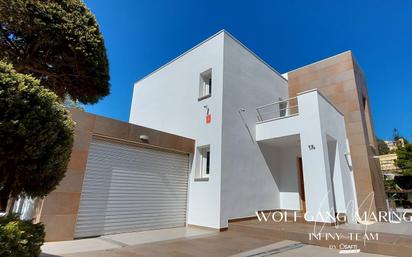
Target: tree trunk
column 10, row 204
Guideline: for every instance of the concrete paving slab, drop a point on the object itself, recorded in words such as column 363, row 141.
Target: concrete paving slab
column 76, row 246
column 136, row 238
column 120, row 240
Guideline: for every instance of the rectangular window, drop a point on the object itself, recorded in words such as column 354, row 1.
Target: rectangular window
column 207, row 171
column 205, row 87
column 203, row 163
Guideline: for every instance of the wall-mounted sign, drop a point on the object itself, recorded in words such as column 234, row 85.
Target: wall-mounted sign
column 208, row 115
column 208, row 118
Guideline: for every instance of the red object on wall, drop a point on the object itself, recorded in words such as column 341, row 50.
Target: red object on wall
column 208, row 118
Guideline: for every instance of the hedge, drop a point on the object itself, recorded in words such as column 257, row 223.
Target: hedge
column 20, row 238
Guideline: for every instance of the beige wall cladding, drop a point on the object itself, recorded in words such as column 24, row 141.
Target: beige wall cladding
column 59, row 209
column 61, row 203
column 342, row 81
column 59, row 227
column 78, row 158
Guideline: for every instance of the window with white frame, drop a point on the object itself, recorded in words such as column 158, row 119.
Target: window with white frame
column 203, row 166
column 205, row 87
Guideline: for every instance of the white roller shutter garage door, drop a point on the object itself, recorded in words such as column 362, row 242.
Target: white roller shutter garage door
column 130, row 188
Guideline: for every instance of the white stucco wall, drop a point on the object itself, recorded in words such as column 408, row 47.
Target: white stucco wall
column 240, row 181
column 327, row 177
column 167, row 100
column 244, row 176
column 333, row 124
column 283, row 127
column 247, row 182
column 288, row 186
column 282, row 161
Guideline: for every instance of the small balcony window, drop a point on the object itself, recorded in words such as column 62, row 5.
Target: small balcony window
column 205, row 87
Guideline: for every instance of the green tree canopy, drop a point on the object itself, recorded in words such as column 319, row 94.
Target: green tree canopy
column 404, row 159
column 382, row 147
column 36, row 135
column 58, row 42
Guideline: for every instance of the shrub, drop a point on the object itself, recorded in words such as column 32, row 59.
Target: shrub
column 20, row 238
column 382, row 147
column 404, row 182
column 389, row 185
column 36, row 135
column 404, row 159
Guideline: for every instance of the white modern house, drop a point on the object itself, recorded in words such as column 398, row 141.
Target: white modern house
column 255, row 147
column 216, row 135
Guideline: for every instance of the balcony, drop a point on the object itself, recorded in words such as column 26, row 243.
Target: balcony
column 308, row 112
column 278, row 110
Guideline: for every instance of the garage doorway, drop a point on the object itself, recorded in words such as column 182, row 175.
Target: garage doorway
column 131, row 188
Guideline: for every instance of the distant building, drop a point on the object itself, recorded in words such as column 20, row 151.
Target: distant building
column 393, row 145
column 390, row 145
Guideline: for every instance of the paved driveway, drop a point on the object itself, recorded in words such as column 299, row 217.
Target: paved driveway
column 220, row 246
column 116, row 241
column 236, row 241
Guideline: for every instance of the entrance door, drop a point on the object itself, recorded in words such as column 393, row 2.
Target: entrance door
column 301, row 185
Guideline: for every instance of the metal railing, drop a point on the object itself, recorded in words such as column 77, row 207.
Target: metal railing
column 277, row 110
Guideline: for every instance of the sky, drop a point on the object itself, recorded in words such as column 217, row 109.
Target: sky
column 141, row 36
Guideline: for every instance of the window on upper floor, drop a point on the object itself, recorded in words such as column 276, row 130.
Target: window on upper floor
column 205, row 87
